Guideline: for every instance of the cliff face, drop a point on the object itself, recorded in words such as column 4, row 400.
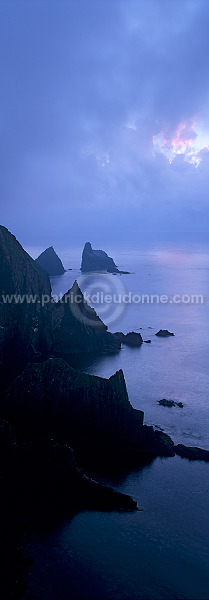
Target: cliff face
column 54, row 399
column 51, row 262
column 25, row 326
column 82, row 410
column 97, row 260
column 32, row 326
column 78, row 329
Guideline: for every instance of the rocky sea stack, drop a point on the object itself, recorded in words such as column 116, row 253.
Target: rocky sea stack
column 97, row 260
column 50, row 262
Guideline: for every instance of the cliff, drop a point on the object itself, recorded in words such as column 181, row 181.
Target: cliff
column 97, row 260
column 84, row 411
column 50, row 262
column 32, row 326
column 25, row 325
column 52, row 398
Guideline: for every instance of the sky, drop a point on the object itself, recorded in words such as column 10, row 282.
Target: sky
column 104, row 120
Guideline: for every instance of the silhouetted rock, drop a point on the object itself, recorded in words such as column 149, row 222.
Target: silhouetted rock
column 147, row 341
column 81, row 410
column 156, row 443
column 25, row 325
column 52, row 398
column 129, row 339
column 192, row 453
column 170, row 403
column 164, row 333
column 40, row 485
column 78, row 329
column 51, row 262
column 98, row 260
column 47, row 479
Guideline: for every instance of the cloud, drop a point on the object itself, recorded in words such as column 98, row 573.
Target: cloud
column 185, row 142
column 95, row 96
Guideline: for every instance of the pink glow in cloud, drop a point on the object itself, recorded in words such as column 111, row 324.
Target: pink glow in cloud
column 188, row 140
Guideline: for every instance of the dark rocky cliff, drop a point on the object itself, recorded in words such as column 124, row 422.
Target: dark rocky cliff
column 87, row 412
column 25, row 325
column 53, row 398
column 50, row 262
column 32, row 325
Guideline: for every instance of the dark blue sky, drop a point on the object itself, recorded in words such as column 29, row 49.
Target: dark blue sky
column 104, row 119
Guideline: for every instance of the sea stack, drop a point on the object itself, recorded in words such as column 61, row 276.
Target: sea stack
column 51, row 262
column 97, row 260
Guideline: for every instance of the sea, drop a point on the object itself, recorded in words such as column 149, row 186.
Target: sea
column 161, row 552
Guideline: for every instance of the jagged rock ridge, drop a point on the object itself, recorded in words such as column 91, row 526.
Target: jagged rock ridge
column 72, row 406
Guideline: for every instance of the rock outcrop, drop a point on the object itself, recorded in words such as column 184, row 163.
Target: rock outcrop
column 78, row 329
column 164, row 333
column 50, row 262
column 129, row 339
column 98, row 260
column 170, row 403
column 192, row 453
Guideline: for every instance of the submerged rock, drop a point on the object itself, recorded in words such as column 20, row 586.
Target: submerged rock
column 164, row 333
column 129, row 339
column 50, row 262
column 192, row 452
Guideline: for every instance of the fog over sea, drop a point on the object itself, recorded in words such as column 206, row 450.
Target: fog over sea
column 162, row 552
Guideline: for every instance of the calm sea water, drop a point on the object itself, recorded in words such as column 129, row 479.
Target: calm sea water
column 163, row 551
